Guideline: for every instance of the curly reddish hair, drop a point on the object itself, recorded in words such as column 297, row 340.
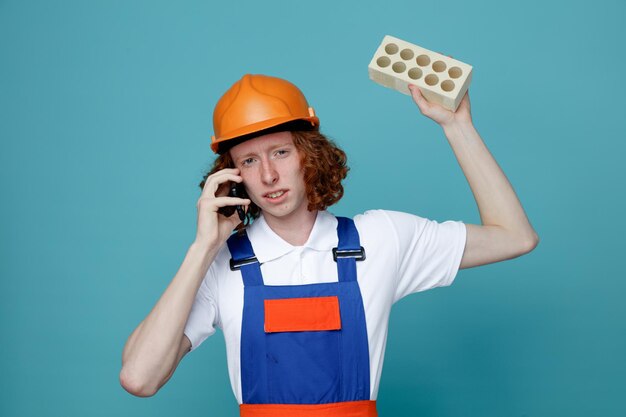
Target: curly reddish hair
column 324, row 166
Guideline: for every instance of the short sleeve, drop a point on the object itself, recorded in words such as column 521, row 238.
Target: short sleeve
column 429, row 252
column 203, row 318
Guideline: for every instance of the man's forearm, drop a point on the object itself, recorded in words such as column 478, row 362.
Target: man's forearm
column 497, row 202
column 152, row 349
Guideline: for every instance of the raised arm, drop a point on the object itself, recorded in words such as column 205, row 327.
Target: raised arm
column 157, row 345
column 505, row 232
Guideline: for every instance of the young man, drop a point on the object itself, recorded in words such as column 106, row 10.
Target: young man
column 303, row 297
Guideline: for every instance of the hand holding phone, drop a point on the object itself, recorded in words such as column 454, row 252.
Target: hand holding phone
column 236, row 190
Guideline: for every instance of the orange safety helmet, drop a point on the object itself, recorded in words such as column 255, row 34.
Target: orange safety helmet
column 256, row 103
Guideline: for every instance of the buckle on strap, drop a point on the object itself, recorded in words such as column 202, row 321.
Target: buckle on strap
column 357, row 254
column 237, row 264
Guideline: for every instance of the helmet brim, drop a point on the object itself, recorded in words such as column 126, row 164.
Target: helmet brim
column 223, row 144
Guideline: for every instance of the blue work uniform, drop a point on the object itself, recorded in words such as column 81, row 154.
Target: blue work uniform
column 304, row 348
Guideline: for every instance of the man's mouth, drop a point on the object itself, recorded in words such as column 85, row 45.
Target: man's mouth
column 275, row 194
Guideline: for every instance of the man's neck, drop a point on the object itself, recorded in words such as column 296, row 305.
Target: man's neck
column 294, row 230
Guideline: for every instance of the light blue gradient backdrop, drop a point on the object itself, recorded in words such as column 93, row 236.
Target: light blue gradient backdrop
column 105, row 123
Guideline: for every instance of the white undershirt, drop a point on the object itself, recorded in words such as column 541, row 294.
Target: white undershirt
column 404, row 254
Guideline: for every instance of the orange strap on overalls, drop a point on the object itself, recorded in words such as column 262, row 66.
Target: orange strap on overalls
column 364, row 408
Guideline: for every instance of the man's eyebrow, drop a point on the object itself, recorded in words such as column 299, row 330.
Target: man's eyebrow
column 249, row 154
column 280, row 146
column 246, row 156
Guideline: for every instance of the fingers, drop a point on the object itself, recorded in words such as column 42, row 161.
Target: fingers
column 419, row 99
column 224, row 188
column 230, row 201
column 213, row 182
column 217, row 202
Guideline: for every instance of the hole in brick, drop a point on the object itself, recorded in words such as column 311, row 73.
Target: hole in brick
column 423, row 60
column 415, row 73
column 447, row 85
column 431, row 79
column 455, row 72
column 407, row 54
column 439, row 66
column 399, row 67
column 391, row 48
column 383, row 61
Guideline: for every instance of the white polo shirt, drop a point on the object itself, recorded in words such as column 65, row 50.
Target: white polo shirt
column 404, row 254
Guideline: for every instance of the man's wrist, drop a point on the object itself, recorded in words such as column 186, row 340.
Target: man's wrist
column 203, row 249
column 458, row 128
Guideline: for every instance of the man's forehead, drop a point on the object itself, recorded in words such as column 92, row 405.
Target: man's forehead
column 261, row 143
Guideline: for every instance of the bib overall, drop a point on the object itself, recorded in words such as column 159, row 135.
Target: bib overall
column 304, row 348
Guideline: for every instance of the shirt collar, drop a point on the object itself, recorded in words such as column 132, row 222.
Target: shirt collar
column 268, row 245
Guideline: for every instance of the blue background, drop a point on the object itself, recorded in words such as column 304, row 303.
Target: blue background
column 105, row 123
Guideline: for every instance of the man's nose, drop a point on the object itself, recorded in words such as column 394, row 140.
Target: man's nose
column 268, row 174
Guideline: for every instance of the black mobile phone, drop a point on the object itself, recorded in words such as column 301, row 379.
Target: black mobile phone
column 236, row 190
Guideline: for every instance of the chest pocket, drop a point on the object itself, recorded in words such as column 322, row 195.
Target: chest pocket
column 302, row 314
